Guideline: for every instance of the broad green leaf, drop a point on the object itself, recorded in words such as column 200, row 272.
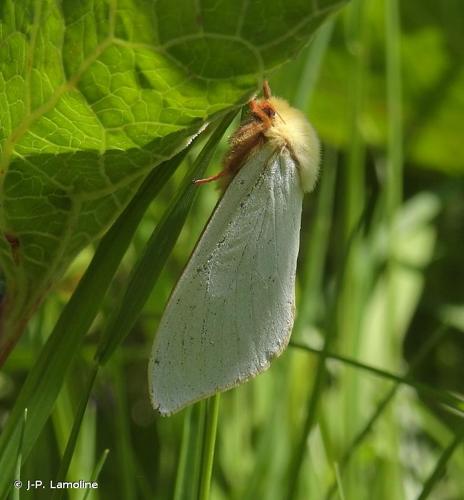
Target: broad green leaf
column 93, row 94
column 41, row 387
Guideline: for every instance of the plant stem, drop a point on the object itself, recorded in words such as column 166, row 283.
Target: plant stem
column 212, row 412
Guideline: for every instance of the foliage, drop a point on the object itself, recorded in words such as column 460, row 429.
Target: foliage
column 94, row 94
column 98, row 102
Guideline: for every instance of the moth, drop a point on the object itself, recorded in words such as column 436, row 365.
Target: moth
column 233, row 308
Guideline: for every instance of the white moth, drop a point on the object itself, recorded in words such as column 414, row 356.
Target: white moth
column 232, row 309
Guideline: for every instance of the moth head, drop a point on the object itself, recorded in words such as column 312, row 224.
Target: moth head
column 263, row 110
column 285, row 126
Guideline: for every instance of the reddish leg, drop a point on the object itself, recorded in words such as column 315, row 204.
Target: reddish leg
column 213, row 178
column 256, row 109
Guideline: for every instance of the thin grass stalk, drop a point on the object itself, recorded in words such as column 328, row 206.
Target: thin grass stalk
column 312, row 67
column 319, row 235
column 297, row 458
column 394, row 183
column 96, row 472
column 318, row 242
column 393, row 195
column 300, row 450
column 351, row 294
column 158, row 248
column 187, row 484
column 312, row 282
column 394, row 174
column 394, row 164
column 354, row 190
column 448, row 399
column 19, row 461
column 45, row 379
column 440, row 467
column 209, row 442
column 72, row 440
column 127, row 470
column 311, row 286
column 424, row 349
column 183, row 485
column 339, row 483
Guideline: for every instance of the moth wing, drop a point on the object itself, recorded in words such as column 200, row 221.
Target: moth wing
column 232, row 310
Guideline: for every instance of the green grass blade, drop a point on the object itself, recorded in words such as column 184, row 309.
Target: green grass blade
column 15, row 494
column 97, row 470
column 312, row 67
column 393, row 197
column 296, row 460
column 425, row 349
column 182, row 485
column 354, row 181
column 341, row 493
column 318, row 236
column 188, row 471
column 448, row 399
column 394, row 172
column 44, row 381
column 212, row 413
column 439, row 469
column 312, row 281
column 123, row 448
column 318, row 241
column 157, row 250
column 72, row 440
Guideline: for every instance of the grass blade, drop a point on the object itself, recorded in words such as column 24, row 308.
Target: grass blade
column 426, row 348
column 450, row 400
column 44, row 381
column 312, row 67
column 97, row 470
column 297, row 458
column 212, row 413
column 158, row 248
column 188, row 471
column 123, row 448
column 439, row 469
column 72, row 440
column 395, row 115
column 15, row 495
column 318, row 241
column 312, row 279
column 339, row 482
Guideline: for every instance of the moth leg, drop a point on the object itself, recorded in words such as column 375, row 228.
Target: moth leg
column 212, row 178
column 245, row 139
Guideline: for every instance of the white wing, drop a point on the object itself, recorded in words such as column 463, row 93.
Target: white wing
column 232, row 310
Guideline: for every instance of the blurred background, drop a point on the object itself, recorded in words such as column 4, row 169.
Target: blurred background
column 380, row 281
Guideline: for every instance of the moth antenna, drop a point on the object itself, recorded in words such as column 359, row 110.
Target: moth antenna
column 266, row 90
column 279, row 115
